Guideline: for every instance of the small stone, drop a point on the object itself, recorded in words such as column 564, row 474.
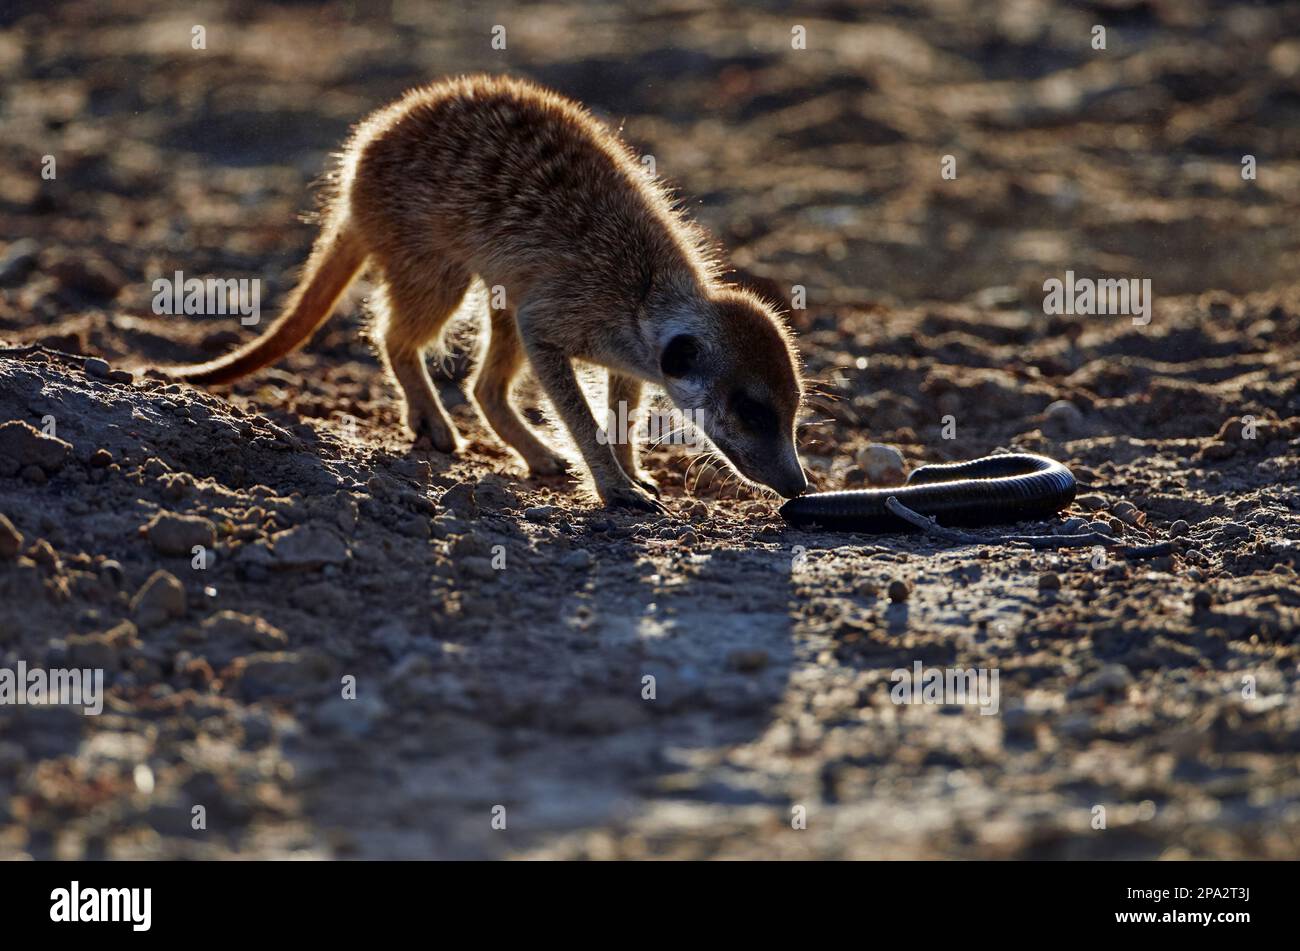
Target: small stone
column 1215, row 451
column 244, row 628
column 308, row 546
column 882, row 464
column 491, row 496
column 899, row 591
column 22, row 445
column 1049, row 581
column 1179, row 529
column 460, row 500
column 579, row 558
column 279, row 673
column 97, row 367
column 11, row 540
column 1202, row 599
column 160, row 599
column 94, row 651
column 121, row 376
column 539, row 513
column 101, row 459
column 43, row 553
column 477, row 567
column 1071, row 526
column 1109, row 679
column 1127, row 512
column 1093, row 503
column 1065, row 415
column 172, row 534
column 1101, row 528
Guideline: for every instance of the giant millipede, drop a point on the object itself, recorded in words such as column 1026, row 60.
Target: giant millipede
column 994, row 490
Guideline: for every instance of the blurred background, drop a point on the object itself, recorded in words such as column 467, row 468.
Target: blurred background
column 817, row 166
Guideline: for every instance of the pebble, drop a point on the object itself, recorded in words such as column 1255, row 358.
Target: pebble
column 1101, row 527
column 172, row 534
column 476, row 566
column 899, row 591
column 1093, row 503
column 882, row 464
column 539, row 513
column 1049, row 581
column 1110, row 678
column 1065, row 414
column 245, row 628
column 1178, row 529
column 101, row 459
column 159, row 600
column 460, row 500
column 97, row 367
column 11, row 540
column 1127, row 512
column 307, row 546
column 22, row 446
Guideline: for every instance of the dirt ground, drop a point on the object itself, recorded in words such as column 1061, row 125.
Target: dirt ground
column 499, row 630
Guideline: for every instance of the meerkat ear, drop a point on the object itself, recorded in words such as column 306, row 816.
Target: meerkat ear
column 679, row 358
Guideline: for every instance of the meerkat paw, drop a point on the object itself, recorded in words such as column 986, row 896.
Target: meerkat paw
column 650, row 485
column 548, row 465
column 433, row 430
column 632, row 497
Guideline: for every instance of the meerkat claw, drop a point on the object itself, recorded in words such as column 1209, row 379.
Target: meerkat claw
column 635, row 498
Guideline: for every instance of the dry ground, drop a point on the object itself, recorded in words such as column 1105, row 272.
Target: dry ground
column 338, row 551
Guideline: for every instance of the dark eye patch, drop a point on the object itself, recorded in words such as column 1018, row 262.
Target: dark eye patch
column 756, row 416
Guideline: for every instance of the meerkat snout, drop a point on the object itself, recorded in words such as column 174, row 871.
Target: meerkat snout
column 740, row 379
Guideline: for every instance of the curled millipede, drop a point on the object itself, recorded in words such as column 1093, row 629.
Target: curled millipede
column 994, row 490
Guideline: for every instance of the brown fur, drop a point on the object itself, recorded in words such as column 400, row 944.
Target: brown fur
column 503, row 180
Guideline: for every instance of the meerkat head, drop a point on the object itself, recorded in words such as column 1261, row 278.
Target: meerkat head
column 731, row 364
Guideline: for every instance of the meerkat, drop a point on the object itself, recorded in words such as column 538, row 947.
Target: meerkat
column 514, row 184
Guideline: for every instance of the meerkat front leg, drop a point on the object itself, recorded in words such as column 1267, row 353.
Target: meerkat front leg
column 505, row 352
column 624, row 396
column 555, row 372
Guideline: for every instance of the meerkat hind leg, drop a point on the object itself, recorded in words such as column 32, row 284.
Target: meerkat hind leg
column 410, row 319
column 504, row 356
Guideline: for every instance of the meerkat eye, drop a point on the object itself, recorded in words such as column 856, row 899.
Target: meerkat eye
column 755, row 416
column 679, row 357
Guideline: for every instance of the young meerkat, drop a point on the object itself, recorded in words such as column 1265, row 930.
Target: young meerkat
column 506, row 181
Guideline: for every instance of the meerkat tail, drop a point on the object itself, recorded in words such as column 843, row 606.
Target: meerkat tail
column 336, row 258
